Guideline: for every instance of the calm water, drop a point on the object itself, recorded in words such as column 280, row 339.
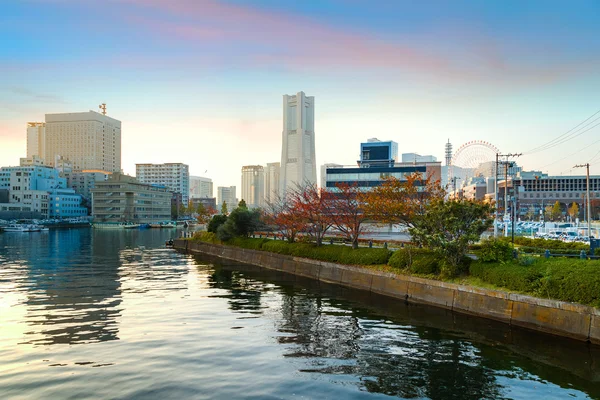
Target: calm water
column 107, row 314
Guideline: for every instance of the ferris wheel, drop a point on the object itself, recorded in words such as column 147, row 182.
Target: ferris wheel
column 471, row 159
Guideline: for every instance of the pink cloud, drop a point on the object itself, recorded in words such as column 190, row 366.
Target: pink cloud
column 266, row 38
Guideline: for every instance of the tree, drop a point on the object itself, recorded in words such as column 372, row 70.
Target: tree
column 312, row 206
column 190, row 208
column 242, row 204
column 283, row 218
column 215, row 222
column 181, row 210
column 398, row 202
column 556, row 211
column 574, row 211
column 347, row 211
column 224, row 210
column 530, row 215
column 448, row 227
column 204, row 214
column 241, row 222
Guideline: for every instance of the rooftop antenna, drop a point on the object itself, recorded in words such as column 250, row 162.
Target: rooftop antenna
column 103, row 108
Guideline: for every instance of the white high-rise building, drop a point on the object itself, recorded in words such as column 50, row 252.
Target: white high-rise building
column 200, row 187
column 174, row 176
column 253, row 185
column 89, row 139
column 226, row 194
column 272, row 173
column 298, row 163
column 36, row 139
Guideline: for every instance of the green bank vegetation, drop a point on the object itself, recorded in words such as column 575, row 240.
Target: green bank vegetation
column 566, row 279
column 444, row 232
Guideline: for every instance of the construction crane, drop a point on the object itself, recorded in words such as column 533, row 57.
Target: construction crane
column 103, row 108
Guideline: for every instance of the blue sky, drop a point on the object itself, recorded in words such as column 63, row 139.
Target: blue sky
column 200, row 82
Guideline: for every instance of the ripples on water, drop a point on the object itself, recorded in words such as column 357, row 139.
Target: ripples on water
column 106, row 314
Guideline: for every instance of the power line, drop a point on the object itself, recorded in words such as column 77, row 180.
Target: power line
column 570, row 155
column 570, row 134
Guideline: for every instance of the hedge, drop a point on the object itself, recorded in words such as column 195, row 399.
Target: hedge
column 331, row 253
column 420, row 261
column 556, row 278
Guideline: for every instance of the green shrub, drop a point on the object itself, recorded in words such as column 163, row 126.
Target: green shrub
column 364, row 256
column 556, row 278
column 404, row 257
column 247, row 243
column 495, row 250
column 426, row 264
column 215, row 222
column 277, row 246
column 208, row 237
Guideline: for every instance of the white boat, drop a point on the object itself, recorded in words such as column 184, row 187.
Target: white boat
column 32, row 228
column 14, row 228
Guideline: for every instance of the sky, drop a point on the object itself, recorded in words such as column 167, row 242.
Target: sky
column 201, row 81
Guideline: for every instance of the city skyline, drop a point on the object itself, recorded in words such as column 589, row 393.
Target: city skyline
column 516, row 75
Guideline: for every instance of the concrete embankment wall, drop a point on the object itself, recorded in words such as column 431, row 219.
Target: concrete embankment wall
column 556, row 317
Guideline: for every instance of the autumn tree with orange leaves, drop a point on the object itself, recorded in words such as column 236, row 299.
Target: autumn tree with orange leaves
column 284, row 218
column 312, row 205
column 398, row 201
column 347, row 211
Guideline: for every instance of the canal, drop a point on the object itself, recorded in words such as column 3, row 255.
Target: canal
column 114, row 314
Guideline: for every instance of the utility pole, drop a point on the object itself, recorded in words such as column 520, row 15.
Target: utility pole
column 589, row 214
column 506, row 165
column 496, row 197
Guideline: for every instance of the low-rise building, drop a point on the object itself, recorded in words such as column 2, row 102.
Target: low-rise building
column 38, row 190
column 533, row 191
column 122, row 198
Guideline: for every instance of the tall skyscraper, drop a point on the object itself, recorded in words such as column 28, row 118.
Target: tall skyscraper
column 298, row 163
column 36, row 139
column 226, row 194
column 253, row 185
column 89, row 139
column 272, row 181
column 200, row 187
column 174, row 176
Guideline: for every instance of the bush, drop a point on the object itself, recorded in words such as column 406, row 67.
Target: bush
column 403, row 258
column 215, row 222
column 419, row 261
column 208, row 237
column 495, row 250
column 248, row 243
column 426, row 264
column 556, row 278
column 330, row 253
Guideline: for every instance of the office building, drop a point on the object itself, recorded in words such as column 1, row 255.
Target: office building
column 173, row 176
column 227, row 194
column 414, row 157
column 375, row 152
column 88, row 139
column 298, row 162
column 82, row 182
column 378, row 161
column 31, row 161
column 272, row 173
column 253, row 185
column 533, row 191
column 37, row 191
column 122, row 198
column 36, row 139
column 207, row 202
column 201, row 187
column 324, row 172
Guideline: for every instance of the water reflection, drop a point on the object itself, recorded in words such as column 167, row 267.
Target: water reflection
column 409, row 351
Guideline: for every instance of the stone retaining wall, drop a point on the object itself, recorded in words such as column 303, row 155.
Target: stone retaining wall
column 556, row 317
